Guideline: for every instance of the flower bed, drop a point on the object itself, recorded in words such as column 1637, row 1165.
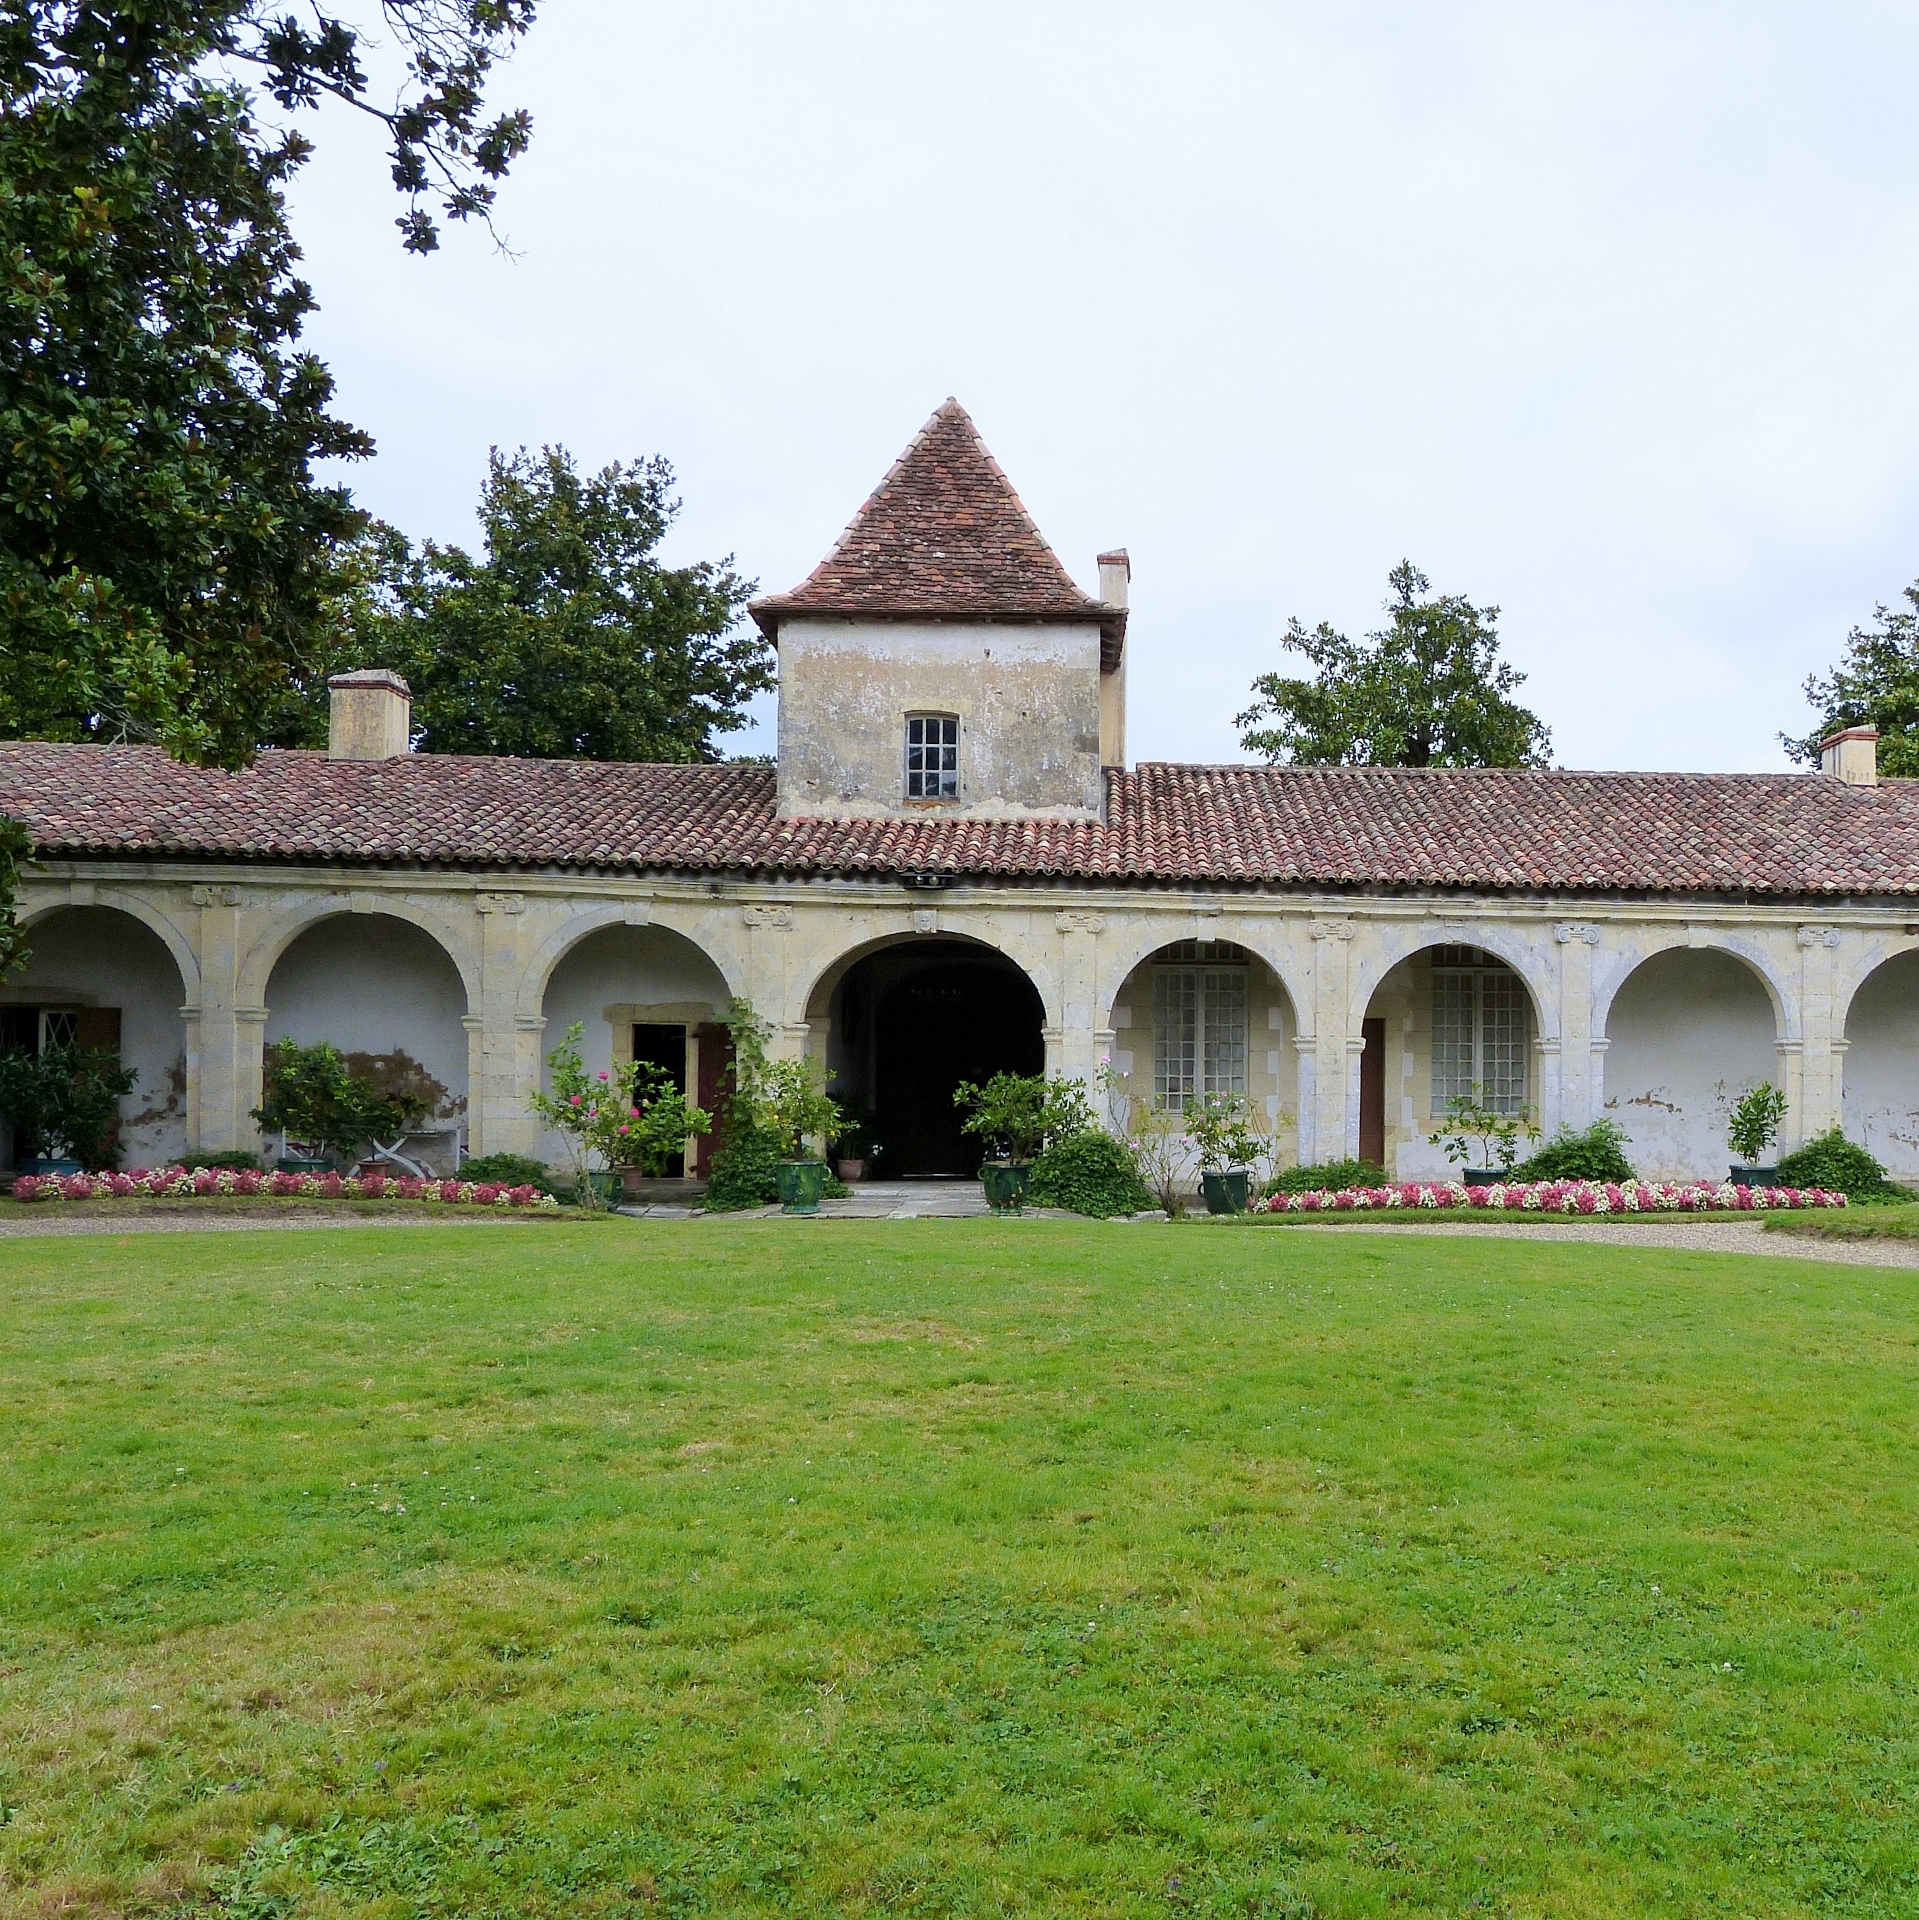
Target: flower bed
column 208, row 1183
column 1555, row 1196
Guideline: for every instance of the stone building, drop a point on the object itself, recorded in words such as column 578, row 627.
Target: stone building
column 954, row 867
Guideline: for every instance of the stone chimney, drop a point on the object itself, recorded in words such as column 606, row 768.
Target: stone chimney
column 1115, row 578
column 1852, row 756
column 371, row 716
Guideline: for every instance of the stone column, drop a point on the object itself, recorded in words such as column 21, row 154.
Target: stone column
column 1082, row 1043
column 223, row 1038
column 1818, row 1102
column 1337, row 1046
column 1578, row 1096
column 503, row 1057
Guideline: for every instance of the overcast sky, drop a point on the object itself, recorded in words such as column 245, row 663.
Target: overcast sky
column 1601, row 314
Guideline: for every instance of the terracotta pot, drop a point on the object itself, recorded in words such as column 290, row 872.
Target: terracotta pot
column 851, row 1171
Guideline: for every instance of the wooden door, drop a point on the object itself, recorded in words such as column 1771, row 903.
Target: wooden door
column 1372, row 1092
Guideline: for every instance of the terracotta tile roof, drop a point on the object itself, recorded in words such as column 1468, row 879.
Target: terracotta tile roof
column 943, row 536
column 1275, row 826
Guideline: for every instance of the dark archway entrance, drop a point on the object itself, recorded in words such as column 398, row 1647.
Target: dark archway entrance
column 909, row 1023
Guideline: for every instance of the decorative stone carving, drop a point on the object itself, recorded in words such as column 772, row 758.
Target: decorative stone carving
column 780, row 918
column 1818, row 936
column 217, row 896
column 1333, row 929
column 925, row 920
column 1568, row 931
column 499, row 903
column 1079, row 922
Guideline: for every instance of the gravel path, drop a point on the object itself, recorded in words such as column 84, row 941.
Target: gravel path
column 1705, row 1236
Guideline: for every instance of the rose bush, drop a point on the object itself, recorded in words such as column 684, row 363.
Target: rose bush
column 1556, row 1196
column 204, row 1183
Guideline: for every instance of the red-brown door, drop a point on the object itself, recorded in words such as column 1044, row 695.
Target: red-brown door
column 1372, row 1092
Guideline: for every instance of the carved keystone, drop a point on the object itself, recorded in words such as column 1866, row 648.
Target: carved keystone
column 499, row 903
column 217, row 896
column 1568, row 931
column 1079, row 922
column 1818, row 936
column 779, row 917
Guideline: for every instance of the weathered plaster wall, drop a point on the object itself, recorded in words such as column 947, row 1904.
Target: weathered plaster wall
column 1027, row 699
column 619, row 977
column 96, row 957
column 376, row 987
column 1882, row 1065
column 1689, row 1032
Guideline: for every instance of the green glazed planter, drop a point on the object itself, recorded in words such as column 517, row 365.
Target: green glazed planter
column 294, row 1164
column 1005, row 1184
column 45, row 1167
column 1225, row 1192
column 607, row 1186
column 1755, row 1176
column 800, row 1183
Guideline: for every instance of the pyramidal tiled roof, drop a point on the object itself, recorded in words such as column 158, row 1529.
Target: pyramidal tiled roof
column 1494, row 829
column 943, row 536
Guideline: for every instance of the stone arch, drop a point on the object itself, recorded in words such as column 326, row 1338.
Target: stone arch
column 1687, row 1029
column 538, row 975
column 828, row 974
column 135, row 908
column 1375, row 958
column 122, row 987
column 270, row 945
column 1281, row 963
column 1881, row 1074
column 1752, row 953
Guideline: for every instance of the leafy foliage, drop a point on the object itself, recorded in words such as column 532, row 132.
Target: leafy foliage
column 1328, row 1176
column 315, row 1098
column 1832, row 1161
column 16, row 847
column 1221, row 1131
column 1498, row 1133
column 568, row 640
column 1753, row 1124
column 1020, row 1114
column 1089, row 1172
column 747, row 1152
column 1876, row 685
column 510, row 1170
column 630, row 1115
column 1597, row 1152
column 1428, row 690
column 791, row 1107
column 233, row 1160
column 65, row 1102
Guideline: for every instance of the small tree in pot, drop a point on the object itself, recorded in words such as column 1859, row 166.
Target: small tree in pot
column 64, row 1104
column 1221, row 1132
column 1498, row 1134
column 1017, row 1116
column 1751, row 1127
column 791, row 1103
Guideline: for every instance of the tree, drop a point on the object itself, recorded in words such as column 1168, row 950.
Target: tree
column 570, row 639
column 1876, row 685
column 1429, row 690
column 166, row 555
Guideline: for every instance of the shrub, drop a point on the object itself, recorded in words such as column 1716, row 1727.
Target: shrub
column 510, row 1170
column 1090, row 1173
column 1840, row 1166
column 1753, row 1124
column 232, row 1162
column 746, row 1153
column 1330, row 1176
column 1599, row 1153
column 65, row 1101
column 1018, row 1115
column 316, row 1099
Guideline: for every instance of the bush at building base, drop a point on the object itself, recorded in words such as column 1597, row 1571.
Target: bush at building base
column 1598, row 1152
column 1090, row 1173
column 1553, row 1196
column 1329, row 1176
column 1831, row 1160
column 511, row 1170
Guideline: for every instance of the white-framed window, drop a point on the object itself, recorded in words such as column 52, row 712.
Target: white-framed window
column 59, row 1027
column 1481, row 1031
column 1199, row 1022
column 932, row 756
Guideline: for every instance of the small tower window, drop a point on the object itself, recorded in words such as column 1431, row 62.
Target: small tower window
column 932, row 756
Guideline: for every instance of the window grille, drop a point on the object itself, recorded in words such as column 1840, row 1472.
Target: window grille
column 1199, row 1026
column 59, row 1027
column 932, row 757
column 1480, row 1031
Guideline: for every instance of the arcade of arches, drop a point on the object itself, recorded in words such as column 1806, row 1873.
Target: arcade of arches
column 1346, row 1022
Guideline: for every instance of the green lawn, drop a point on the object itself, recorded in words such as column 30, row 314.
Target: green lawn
column 953, row 1568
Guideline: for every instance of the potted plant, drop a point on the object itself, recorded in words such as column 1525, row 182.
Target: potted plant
column 321, row 1108
column 1227, row 1145
column 852, row 1148
column 1751, row 1127
column 64, row 1104
column 1017, row 1115
column 791, row 1105
column 1498, row 1135
column 623, row 1116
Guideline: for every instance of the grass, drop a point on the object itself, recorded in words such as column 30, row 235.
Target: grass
column 1874, row 1222
column 968, row 1568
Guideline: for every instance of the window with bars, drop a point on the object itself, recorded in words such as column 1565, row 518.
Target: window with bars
column 932, row 756
column 1199, row 1024
column 1481, row 1030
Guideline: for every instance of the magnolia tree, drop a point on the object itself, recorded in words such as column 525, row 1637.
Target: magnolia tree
column 625, row 1116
